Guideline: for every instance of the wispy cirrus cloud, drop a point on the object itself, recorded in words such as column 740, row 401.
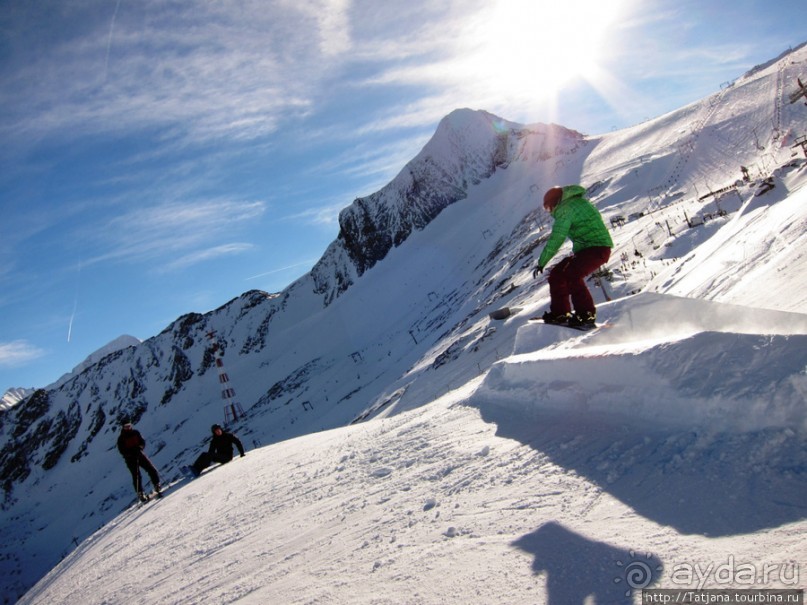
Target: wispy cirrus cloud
column 189, row 232
column 332, row 18
column 205, row 255
column 198, row 72
column 16, row 353
column 327, row 214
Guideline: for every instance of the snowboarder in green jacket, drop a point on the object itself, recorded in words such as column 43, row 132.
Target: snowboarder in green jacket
column 576, row 218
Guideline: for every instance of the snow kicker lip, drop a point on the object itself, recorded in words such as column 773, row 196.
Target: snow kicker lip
column 701, row 381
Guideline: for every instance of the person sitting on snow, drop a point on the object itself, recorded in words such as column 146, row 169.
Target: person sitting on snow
column 220, row 450
column 576, row 218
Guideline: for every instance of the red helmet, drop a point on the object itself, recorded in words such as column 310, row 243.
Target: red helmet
column 552, row 198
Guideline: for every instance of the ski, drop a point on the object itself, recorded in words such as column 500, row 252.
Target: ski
column 146, row 497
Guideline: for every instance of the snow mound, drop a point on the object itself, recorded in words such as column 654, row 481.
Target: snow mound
column 662, row 359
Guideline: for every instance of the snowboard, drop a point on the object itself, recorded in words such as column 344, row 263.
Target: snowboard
column 188, row 472
column 586, row 328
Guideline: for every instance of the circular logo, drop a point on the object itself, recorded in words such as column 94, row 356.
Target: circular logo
column 636, row 574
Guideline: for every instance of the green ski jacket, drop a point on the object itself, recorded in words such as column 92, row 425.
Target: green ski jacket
column 575, row 218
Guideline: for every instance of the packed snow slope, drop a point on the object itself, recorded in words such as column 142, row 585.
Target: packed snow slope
column 407, row 448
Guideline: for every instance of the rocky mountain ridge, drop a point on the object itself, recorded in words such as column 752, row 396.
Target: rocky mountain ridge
column 468, row 147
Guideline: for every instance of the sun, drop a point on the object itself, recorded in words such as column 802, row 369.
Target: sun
column 531, row 48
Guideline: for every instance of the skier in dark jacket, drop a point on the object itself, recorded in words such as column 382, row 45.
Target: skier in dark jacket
column 576, row 218
column 220, row 450
column 130, row 446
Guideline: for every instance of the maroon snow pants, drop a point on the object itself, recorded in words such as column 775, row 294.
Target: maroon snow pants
column 567, row 280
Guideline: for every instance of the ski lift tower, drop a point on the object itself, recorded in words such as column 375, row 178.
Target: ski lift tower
column 232, row 409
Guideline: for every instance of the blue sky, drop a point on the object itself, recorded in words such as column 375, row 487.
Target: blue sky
column 162, row 157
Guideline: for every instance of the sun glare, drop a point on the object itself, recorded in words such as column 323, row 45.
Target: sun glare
column 531, row 48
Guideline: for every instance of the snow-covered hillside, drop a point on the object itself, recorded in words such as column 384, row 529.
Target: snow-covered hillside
column 573, row 470
column 464, row 459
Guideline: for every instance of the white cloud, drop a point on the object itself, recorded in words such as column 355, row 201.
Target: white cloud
column 18, row 352
column 205, row 255
column 186, row 230
column 214, row 71
column 202, row 72
column 333, row 23
column 321, row 215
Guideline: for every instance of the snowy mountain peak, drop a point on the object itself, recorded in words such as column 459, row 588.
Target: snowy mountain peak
column 12, row 397
column 467, row 148
column 121, row 342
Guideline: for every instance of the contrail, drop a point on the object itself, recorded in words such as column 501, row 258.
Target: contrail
column 72, row 316
column 75, row 305
column 305, row 262
column 109, row 40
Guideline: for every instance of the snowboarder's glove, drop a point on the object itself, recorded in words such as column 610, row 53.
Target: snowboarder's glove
column 536, row 271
